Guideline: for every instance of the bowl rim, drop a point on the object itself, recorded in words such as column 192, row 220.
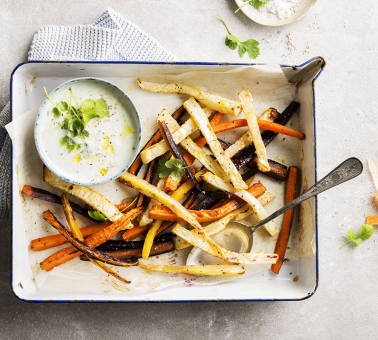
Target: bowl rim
column 271, row 20
column 48, row 163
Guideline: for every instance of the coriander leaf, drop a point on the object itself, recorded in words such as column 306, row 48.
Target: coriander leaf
column 60, row 108
column 173, row 167
column 178, row 173
column 257, row 3
column 83, row 134
column 366, row 231
column 101, row 108
column 69, row 143
column 164, row 173
column 55, row 112
column 86, row 118
column 88, row 105
column 351, row 234
column 92, row 109
column 97, row 215
column 162, row 170
column 162, row 161
column 232, row 41
column 250, row 46
column 356, row 241
column 173, row 163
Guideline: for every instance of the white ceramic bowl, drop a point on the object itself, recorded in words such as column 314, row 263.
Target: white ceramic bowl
column 269, row 19
column 113, row 141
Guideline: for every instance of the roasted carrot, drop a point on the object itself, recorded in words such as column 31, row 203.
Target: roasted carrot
column 164, row 213
column 131, row 234
column 134, row 168
column 282, row 129
column 263, row 124
column 187, row 203
column 283, row 237
column 217, row 118
column 172, row 184
column 83, row 247
column 64, row 255
column 125, row 207
column 372, row 219
column 47, row 242
column 77, row 234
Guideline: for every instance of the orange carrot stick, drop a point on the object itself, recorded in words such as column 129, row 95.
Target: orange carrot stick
column 134, row 232
column 125, row 207
column 283, row 237
column 372, row 219
column 275, row 127
column 263, row 124
column 64, row 255
column 172, row 184
column 160, row 212
column 47, row 242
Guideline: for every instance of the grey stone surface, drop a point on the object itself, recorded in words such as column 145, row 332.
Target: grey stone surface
column 344, row 306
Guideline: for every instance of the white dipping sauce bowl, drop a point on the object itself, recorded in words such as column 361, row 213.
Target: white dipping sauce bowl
column 113, row 141
column 268, row 19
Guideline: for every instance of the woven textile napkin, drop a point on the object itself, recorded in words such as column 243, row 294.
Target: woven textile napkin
column 111, row 37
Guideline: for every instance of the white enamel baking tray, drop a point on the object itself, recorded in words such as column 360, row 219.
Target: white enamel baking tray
column 298, row 279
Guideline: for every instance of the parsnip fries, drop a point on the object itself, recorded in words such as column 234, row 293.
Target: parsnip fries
column 209, row 100
column 222, row 270
column 247, row 104
column 193, row 183
column 270, row 227
column 86, row 194
column 225, row 162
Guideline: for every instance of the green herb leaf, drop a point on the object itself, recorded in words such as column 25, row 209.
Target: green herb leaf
column 232, row 41
column 251, row 46
column 75, row 120
column 83, row 134
column 77, row 127
column 174, row 163
column 92, row 109
column 173, row 167
column 257, row 3
column 97, row 215
column 178, row 173
column 366, row 231
column 162, row 170
column 59, row 109
column 55, row 112
column 69, row 143
column 356, row 241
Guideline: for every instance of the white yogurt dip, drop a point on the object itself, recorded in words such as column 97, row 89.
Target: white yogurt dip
column 112, row 143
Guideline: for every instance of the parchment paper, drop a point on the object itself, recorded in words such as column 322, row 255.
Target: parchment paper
column 269, row 87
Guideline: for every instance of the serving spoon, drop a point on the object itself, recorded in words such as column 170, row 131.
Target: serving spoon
column 347, row 170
